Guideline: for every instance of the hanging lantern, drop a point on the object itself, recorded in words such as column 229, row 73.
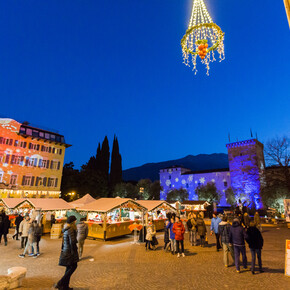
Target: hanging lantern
column 202, row 39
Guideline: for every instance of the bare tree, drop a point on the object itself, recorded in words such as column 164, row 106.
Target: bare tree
column 277, row 153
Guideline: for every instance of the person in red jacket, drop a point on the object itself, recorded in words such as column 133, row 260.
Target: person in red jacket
column 179, row 230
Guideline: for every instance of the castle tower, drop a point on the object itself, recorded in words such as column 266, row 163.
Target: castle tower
column 247, row 166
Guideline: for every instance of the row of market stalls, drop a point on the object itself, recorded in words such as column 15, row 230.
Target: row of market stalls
column 106, row 217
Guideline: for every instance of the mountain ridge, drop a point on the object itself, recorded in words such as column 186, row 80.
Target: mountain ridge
column 192, row 162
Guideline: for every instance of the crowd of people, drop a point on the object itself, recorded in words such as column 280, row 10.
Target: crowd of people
column 229, row 237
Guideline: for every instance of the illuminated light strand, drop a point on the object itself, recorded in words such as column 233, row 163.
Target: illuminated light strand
column 202, row 38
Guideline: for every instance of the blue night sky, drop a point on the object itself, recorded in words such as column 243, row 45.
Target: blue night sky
column 95, row 68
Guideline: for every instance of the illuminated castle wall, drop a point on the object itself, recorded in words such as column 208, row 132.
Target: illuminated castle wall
column 31, row 161
column 247, row 166
column 178, row 177
column 245, row 175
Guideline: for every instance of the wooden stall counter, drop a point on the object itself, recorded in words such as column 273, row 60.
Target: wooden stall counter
column 159, row 224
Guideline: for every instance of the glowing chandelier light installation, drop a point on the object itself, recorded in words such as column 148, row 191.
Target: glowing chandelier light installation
column 202, row 38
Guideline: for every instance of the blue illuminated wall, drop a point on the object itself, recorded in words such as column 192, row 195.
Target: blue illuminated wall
column 178, row 177
column 247, row 165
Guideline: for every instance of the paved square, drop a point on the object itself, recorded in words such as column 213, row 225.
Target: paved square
column 119, row 264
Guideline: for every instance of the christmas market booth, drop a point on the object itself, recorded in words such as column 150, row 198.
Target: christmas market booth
column 111, row 217
column 48, row 211
column 157, row 210
column 190, row 206
column 9, row 206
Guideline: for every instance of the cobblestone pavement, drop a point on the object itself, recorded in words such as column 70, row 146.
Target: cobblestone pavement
column 119, row 264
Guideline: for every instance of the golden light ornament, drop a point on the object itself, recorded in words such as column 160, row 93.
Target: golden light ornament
column 202, row 39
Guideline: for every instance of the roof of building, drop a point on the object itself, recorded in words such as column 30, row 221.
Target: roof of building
column 174, row 166
column 194, row 202
column 46, row 204
column 108, row 204
column 12, row 202
column 151, row 205
column 82, row 201
column 243, row 143
column 207, row 171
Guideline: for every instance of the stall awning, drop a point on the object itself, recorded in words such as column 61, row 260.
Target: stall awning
column 11, row 202
column 81, row 202
column 195, row 202
column 105, row 205
column 47, row 204
column 151, row 205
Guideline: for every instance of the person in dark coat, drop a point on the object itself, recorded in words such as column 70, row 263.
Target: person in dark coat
column 166, row 236
column 5, row 227
column 201, row 229
column 246, row 220
column 18, row 220
column 237, row 239
column 224, row 231
column 69, row 253
column 255, row 241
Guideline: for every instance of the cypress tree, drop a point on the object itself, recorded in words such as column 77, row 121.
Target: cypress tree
column 98, row 158
column 116, row 165
column 105, row 159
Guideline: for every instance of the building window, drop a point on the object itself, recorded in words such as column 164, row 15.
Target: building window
column 26, row 180
column 13, row 179
column 1, row 157
column 186, row 185
column 7, row 158
column 47, row 136
column 52, row 182
column 225, row 183
column 169, row 177
column 39, row 181
column 1, row 176
column 28, row 131
column 35, row 133
column 41, row 134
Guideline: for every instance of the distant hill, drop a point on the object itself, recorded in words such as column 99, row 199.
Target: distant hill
column 195, row 163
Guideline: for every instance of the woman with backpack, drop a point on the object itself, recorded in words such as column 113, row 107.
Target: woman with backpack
column 201, row 229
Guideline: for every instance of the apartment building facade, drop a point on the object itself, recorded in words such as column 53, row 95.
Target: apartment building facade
column 31, row 160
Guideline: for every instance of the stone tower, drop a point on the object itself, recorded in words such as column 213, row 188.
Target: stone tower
column 247, row 167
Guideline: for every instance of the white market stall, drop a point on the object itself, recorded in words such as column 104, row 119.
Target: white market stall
column 81, row 202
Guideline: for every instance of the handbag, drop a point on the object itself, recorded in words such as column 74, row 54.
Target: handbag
column 154, row 241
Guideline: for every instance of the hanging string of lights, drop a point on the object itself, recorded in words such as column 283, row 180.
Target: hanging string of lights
column 202, row 38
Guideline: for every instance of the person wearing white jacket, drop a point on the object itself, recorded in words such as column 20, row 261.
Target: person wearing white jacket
column 23, row 230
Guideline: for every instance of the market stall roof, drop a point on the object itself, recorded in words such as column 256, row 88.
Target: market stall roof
column 195, row 202
column 151, row 205
column 108, row 204
column 46, row 204
column 10, row 202
column 82, row 201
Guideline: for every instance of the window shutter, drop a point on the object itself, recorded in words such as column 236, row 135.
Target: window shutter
column 35, row 162
column 21, row 160
column 60, row 151
column 58, row 165
column 7, row 158
column 29, row 146
column 47, row 164
column 11, row 142
column 25, row 143
column 55, row 185
column 23, row 180
column 51, row 164
column 36, row 182
column 40, row 163
column 37, row 147
column 16, row 143
column 49, row 149
column 26, row 161
column 48, row 182
column 44, row 181
column 12, row 159
column 32, row 180
column 42, row 147
column 1, row 140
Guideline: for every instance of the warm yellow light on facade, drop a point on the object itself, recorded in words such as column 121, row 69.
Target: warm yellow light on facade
column 287, row 7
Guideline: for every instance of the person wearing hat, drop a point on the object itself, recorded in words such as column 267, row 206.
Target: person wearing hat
column 69, row 253
column 237, row 239
column 214, row 227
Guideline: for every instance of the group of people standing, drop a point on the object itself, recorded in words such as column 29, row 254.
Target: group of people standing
column 233, row 239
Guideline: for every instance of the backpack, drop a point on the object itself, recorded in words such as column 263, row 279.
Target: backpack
column 189, row 224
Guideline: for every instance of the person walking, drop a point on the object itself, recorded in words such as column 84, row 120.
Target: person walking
column 4, row 228
column 37, row 234
column 257, row 221
column 201, row 229
column 237, row 238
column 214, row 227
column 255, row 241
column 224, row 231
column 23, row 230
column 31, row 242
column 246, row 220
column 18, row 220
column 179, row 230
column 69, row 253
column 151, row 231
column 171, row 236
column 82, row 233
